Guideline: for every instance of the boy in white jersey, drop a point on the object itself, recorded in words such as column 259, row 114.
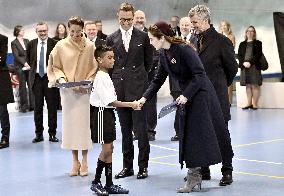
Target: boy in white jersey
column 104, row 99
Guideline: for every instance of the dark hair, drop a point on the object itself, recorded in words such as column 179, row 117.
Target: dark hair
column 101, row 49
column 76, row 20
column 161, row 29
column 98, row 21
column 56, row 30
column 126, row 7
column 17, row 30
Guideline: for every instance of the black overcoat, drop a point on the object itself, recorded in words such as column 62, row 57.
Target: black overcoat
column 6, row 92
column 218, row 58
column 202, row 115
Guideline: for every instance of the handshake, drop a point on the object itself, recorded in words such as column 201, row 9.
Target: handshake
column 137, row 105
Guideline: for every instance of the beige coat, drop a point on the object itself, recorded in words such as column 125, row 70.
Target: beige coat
column 74, row 62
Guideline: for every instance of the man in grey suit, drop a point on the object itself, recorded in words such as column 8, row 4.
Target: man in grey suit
column 133, row 60
column 38, row 51
column 218, row 57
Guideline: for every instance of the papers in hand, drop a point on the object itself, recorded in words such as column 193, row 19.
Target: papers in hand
column 84, row 84
column 168, row 109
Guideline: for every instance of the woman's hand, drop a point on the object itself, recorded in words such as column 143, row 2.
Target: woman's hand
column 246, row 64
column 61, row 80
column 135, row 105
column 181, row 100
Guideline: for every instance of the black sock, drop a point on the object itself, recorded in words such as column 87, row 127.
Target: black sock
column 108, row 173
column 99, row 171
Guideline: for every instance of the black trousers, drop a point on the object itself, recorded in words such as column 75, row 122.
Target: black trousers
column 26, row 97
column 129, row 118
column 41, row 91
column 226, row 152
column 151, row 113
column 175, row 95
column 5, row 122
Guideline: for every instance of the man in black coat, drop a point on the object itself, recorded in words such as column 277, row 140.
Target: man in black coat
column 151, row 105
column 133, row 60
column 38, row 51
column 6, row 93
column 218, row 57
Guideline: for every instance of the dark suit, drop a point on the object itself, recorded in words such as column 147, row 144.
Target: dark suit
column 101, row 35
column 151, row 105
column 40, row 89
column 19, row 60
column 218, row 58
column 6, row 92
column 130, row 79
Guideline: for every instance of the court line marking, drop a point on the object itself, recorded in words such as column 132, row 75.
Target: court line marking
column 239, row 159
column 237, row 172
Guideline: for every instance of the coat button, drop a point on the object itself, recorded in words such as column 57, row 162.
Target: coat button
column 133, row 66
column 122, row 68
column 121, row 78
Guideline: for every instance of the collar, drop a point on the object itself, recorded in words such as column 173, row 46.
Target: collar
column 44, row 41
column 123, row 31
column 205, row 33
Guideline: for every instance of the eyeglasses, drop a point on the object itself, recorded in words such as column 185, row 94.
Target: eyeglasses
column 42, row 31
column 126, row 19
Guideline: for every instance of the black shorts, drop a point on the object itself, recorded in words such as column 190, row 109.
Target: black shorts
column 104, row 125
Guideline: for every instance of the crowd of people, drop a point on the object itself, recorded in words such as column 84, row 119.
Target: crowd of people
column 127, row 68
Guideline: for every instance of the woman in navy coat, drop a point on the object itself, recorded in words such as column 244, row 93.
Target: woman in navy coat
column 202, row 116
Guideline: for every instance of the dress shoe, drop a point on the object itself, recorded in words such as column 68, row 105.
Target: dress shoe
column 84, row 170
column 143, row 173
column 175, row 138
column 151, row 137
column 254, row 108
column 247, row 107
column 38, row 138
column 75, row 169
column 116, row 189
column 98, row 189
column 125, row 172
column 226, row 180
column 4, row 144
column 53, row 138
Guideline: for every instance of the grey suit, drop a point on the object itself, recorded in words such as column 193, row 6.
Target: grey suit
column 19, row 60
column 130, row 77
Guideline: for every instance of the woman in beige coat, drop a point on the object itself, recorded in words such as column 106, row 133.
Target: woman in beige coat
column 72, row 60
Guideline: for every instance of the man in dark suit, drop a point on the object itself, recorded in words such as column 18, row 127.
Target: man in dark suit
column 6, row 93
column 18, row 47
column 38, row 51
column 133, row 60
column 174, row 25
column 151, row 106
column 218, row 57
column 91, row 31
column 99, row 26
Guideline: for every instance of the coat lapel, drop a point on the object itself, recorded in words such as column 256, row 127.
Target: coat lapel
column 118, row 43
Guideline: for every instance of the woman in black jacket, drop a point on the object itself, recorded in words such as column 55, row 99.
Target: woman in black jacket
column 249, row 54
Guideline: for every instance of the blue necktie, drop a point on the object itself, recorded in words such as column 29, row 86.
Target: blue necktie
column 41, row 61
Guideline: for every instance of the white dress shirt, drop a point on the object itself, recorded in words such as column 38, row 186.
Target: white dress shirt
column 38, row 54
column 126, row 39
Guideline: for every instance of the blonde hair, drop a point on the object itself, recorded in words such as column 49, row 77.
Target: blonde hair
column 254, row 36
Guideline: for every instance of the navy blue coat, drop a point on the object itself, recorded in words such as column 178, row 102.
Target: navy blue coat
column 202, row 115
